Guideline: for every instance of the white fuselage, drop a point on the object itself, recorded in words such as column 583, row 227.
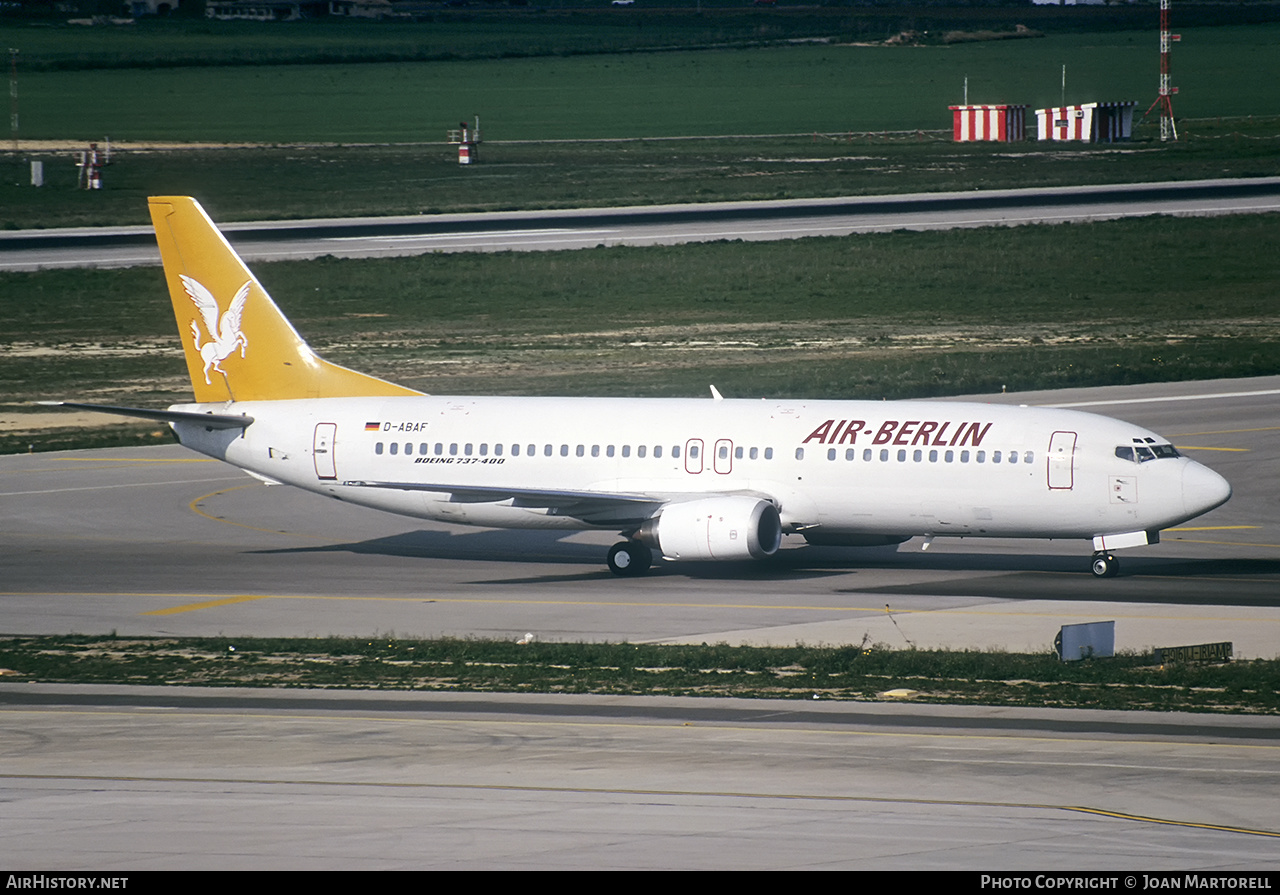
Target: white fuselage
column 851, row 468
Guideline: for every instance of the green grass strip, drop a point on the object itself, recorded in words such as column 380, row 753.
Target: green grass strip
column 1128, row 681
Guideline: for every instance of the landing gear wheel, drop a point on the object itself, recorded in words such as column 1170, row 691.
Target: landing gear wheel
column 1105, row 566
column 630, row 559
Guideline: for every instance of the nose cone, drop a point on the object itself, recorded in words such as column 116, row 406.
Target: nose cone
column 1203, row 489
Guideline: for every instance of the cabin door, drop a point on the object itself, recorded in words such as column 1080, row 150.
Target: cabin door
column 1062, row 449
column 322, row 450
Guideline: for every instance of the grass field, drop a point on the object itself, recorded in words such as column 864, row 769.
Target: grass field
column 367, row 138
column 1126, row 682
column 557, row 28
column 329, row 181
column 772, row 90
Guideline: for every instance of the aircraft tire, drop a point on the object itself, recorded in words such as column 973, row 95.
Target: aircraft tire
column 1105, row 565
column 629, row 559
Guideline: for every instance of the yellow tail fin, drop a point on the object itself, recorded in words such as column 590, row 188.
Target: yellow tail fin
column 238, row 345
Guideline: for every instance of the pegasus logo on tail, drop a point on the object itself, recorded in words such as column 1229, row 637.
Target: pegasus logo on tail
column 225, row 334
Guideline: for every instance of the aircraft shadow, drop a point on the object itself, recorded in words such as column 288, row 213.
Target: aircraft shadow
column 549, row 547
column 1013, row 576
column 1221, row 582
column 497, row 545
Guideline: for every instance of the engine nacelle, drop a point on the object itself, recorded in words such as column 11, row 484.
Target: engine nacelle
column 715, row 528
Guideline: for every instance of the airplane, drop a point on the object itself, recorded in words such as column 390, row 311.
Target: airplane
column 679, row 478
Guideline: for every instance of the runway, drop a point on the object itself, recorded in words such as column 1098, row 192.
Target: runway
column 161, row 541
column 651, row 225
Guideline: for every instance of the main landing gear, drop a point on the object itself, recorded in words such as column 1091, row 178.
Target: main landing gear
column 1105, row 565
column 630, row 559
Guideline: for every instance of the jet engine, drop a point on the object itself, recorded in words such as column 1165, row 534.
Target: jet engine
column 715, row 528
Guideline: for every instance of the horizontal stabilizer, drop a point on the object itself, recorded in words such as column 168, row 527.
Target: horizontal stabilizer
column 208, row 420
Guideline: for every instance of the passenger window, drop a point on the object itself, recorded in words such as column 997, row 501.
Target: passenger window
column 439, row 449
column 1029, row 457
column 657, row 451
column 547, row 451
column 884, row 455
column 866, row 455
column 799, row 453
column 467, row 449
column 917, row 455
column 408, row 448
column 933, row 456
column 395, row 448
column 422, row 448
column 608, row 452
column 484, row 449
column 902, row 456
column 1013, row 456
column 831, row 453
column 850, row 453
column 755, row 454
column 626, row 450
column 515, row 450
column 675, row 452
column 595, row 450
column 377, row 448
column 995, row 456
column 497, row 450
column 768, row 453
column 737, row 453
column 640, row 451
column 693, row 452
column 981, row 456
column 723, row 452
column 564, row 450
column 579, row 450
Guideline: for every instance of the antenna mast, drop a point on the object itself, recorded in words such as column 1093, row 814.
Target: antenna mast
column 1168, row 130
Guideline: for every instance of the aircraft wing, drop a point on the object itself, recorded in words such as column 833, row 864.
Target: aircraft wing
column 606, row 508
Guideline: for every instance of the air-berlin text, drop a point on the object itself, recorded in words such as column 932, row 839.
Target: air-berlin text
column 937, row 433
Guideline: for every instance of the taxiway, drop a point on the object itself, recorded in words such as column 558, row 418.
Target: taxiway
column 652, row 225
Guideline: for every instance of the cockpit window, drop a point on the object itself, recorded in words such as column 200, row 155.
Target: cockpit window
column 1144, row 452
